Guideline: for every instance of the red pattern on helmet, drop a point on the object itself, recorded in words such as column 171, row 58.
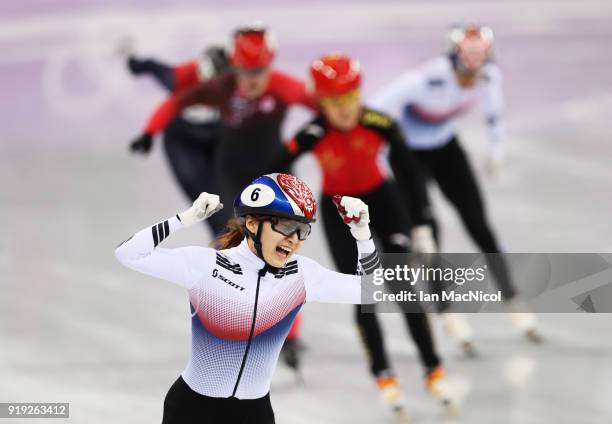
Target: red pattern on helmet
column 299, row 193
column 252, row 50
column 335, row 74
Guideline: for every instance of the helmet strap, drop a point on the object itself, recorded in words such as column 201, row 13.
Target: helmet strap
column 256, row 237
column 257, row 241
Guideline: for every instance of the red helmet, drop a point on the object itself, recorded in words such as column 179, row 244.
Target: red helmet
column 471, row 45
column 335, row 75
column 252, row 48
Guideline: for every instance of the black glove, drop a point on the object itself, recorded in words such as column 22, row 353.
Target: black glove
column 136, row 66
column 142, row 144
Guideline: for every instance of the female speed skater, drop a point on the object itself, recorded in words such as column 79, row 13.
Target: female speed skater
column 427, row 105
column 252, row 99
column 191, row 138
column 245, row 296
column 347, row 139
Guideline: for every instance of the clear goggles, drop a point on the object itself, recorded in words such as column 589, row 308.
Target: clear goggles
column 289, row 227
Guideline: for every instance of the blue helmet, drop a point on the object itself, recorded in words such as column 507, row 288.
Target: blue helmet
column 281, row 195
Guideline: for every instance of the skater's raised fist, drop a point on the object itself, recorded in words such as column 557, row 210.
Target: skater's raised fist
column 142, row 144
column 354, row 212
column 204, row 206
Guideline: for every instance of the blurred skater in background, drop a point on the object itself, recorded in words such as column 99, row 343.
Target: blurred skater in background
column 427, row 104
column 347, row 138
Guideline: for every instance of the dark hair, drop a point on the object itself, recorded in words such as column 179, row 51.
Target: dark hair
column 234, row 233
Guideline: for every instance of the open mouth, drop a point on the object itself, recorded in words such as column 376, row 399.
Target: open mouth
column 283, row 251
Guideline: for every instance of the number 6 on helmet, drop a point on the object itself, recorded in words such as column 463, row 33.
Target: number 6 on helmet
column 281, row 195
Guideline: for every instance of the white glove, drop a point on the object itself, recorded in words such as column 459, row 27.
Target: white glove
column 422, row 240
column 355, row 214
column 204, row 206
column 495, row 161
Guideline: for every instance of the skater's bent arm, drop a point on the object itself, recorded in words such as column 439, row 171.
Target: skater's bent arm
column 161, row 71
column 141, row 253
column 185, row 75
column 327, row 286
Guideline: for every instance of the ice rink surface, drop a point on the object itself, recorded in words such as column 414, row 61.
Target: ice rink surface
column 77, row 327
